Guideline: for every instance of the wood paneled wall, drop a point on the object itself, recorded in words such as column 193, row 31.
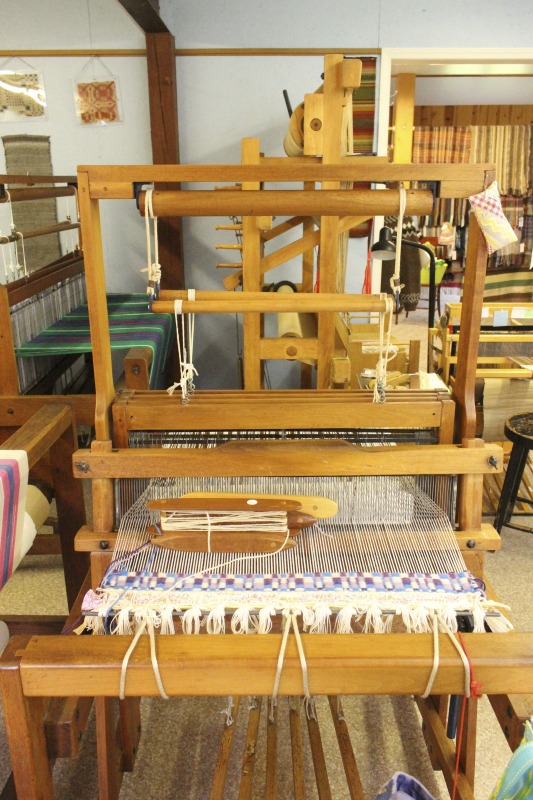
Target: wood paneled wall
column 473, row 115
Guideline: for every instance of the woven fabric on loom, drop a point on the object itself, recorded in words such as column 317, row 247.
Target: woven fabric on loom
column 30, row 155
column 390, row 555
column 130, row 325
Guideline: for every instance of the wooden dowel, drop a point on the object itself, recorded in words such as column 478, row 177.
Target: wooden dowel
column 61, row 226
column 224, row 753
column 267, row 302
column 40, row 193
column 328, row 202
column 31, row 179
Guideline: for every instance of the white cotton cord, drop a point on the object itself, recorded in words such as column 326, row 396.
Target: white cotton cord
column 309, row 703
column 153, row 267
column 436, row 656
column 208, row 532
column 13, row 266
column 395, row 279
column 239, row 560
column 386, row 352
column 462, row 655
column 291, row 620
column 185, row 342
column 155, row 663
column 24, row 266
column 5, row 264
column 234, row 521
column 126, row 659
column 228, row 712
column 286, row 614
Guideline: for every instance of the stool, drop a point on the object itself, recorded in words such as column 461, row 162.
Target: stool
column 519, row 430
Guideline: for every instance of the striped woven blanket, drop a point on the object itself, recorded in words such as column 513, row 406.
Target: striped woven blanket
column 13, row 483
column 130, row 325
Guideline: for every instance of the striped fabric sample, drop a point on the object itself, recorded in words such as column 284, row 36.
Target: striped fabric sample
column 130, row 325
column 364, row 108
column 13, row 483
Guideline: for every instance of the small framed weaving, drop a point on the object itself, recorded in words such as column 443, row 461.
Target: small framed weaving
column 97, row 96
column 22, row 94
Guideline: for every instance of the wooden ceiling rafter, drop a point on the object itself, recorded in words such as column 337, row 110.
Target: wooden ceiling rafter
column 146, row 14
column 164, row 131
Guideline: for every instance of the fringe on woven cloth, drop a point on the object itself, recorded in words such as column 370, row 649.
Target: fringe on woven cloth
column 117, row 612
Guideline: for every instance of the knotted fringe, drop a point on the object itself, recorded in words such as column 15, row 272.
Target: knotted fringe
column 376, row 614
column 112, row 611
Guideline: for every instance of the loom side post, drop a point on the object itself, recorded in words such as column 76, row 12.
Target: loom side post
column 252, row 251
column 24, row 720
column 474, row 282
column 96, row 297
column 8, row 363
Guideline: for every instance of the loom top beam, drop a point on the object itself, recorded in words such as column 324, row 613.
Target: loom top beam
column 328, row 202
column 117, row 182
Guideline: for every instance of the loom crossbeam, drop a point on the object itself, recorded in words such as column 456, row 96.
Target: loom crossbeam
column 288, row 458
column 367, row 664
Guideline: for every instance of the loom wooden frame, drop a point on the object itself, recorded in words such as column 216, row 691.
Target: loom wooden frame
column 136, row 363
column 351, row 664
column 488, row 366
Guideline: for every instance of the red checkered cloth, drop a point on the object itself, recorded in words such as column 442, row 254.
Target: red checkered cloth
column 496, row 228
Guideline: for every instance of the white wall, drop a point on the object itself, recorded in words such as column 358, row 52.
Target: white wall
column 65, row 25
column 349, row 23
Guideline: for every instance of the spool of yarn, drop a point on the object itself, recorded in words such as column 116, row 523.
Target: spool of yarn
column 36, row 512
column 293, row 143
column 291, row 324
column 37, row 506
column 295, row 326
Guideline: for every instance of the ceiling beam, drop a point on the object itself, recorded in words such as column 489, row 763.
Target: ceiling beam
column 146, row 14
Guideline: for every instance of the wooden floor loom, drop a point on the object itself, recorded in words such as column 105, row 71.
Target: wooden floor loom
column 42, row 324
column 388, row 663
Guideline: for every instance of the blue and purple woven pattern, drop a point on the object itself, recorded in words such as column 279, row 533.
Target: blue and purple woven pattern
column 455, row 582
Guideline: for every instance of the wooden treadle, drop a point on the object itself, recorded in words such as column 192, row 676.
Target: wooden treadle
column 492, row 486
column 307, row 772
